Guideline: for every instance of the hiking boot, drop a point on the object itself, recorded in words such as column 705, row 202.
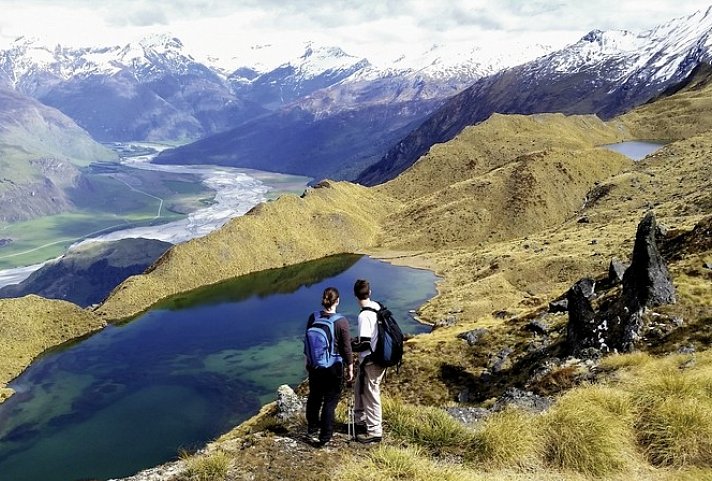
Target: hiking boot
column 368, row 439
column 360, row 428
column 320, row 443
column 313, row 435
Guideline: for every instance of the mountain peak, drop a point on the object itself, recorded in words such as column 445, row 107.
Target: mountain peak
column 595, row 35
column 161, row 41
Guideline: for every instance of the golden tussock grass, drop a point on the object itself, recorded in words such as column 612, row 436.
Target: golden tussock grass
column 586, row 437
column 507, row 439
column 429, row 427
column 31, row 325
column 210, row 467
column 404, row 463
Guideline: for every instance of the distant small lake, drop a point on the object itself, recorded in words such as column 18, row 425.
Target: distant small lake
column 635, row 149
column 131, row 396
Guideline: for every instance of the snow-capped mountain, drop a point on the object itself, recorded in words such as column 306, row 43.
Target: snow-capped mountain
column 151, row 89
column 155, row 89
column 33, row 67
column 315, row 67
column 458, row 62
column 606, row 73
column 336, row 113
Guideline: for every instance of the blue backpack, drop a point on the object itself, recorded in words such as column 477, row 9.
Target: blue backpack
column 320, row 342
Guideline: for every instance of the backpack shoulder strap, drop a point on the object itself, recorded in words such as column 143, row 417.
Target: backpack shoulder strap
column 315, row 316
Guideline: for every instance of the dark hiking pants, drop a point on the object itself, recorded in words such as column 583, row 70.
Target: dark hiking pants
column 324, row 391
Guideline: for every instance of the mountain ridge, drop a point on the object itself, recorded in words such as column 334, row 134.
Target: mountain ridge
column 606, row 73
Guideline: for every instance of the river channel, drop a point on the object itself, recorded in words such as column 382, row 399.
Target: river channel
column 236, row 192
column 133, row 395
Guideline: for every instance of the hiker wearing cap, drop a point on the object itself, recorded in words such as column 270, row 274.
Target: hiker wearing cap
column 367, row 389
column 327, row 348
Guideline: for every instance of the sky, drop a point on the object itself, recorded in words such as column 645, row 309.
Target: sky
column 369, row 28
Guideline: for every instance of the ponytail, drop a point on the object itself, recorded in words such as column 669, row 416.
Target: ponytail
column 329, row 298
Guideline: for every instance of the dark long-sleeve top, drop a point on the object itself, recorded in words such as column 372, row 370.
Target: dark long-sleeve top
column 342, row 333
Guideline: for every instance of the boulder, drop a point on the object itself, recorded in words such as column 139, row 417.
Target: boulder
column 448, row 321
column 647, row 281
column 474, row 336
column 500, row 361
column 288, row 403
column 587, row 287
column 468, row 416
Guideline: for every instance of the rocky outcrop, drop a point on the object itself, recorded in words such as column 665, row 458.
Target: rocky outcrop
column 619, row 327
column 289, row 404
column 647, row 281
column 582, row 331
column 474, row 336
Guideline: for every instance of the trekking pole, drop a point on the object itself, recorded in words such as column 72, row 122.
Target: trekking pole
column 351, row 421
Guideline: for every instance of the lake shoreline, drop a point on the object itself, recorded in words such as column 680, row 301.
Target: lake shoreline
column 413, row 260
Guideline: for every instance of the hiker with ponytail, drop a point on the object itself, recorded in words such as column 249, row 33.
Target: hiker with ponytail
column 327, row 348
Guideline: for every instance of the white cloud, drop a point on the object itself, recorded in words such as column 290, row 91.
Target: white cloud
column 373, row 28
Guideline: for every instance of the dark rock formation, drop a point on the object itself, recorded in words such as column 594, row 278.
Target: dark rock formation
column 501, row 361
column 647, row 281
column 561, row 305
column 582, row 330
column 538, row 327
column 622, row 324
column 587, row 287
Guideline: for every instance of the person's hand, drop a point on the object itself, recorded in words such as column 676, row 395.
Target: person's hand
column 350, row 373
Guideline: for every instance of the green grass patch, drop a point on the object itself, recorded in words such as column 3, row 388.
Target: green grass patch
column 47, row 237
column 105, row 204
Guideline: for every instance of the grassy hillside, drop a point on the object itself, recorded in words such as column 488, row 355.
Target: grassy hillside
column 679, row 113
column 31, row 325
column 336, row 218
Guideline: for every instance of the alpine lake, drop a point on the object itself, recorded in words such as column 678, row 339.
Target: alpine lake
column 636, row 149
column 133, row 395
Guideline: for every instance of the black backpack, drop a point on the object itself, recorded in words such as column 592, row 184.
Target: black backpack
column 389, row 345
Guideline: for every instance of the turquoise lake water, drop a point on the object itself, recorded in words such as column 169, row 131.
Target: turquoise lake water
column 133, row 395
